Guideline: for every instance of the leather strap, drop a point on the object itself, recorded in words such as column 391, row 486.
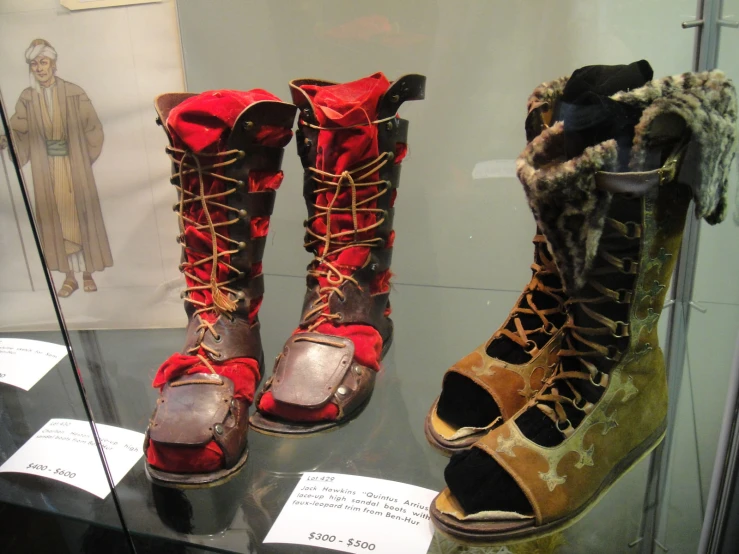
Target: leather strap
column 258, row 115
column 636, row 183
column 259, row 204
column 238, row 339
column 255, row 249
column 408, row 87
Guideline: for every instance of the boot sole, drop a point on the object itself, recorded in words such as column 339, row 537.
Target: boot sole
column 446, row 450
column 188, row 481
column 534, row 532
column 286, row 429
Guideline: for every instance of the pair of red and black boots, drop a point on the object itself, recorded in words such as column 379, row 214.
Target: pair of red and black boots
column 226, row 149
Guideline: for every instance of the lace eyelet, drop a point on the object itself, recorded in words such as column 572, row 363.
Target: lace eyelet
column 218, row 338
column 630, row 266
column 568, row 425
column 599, row 376
column 581, row 407
column 529, row 347
column 613, row 353
column 340, row 317
column 217, row 356
column 622, row 330
column 624, row 296
column 550, row 328
column 633, row 230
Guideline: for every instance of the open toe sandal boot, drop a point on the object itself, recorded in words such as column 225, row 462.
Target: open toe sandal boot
column 609, row 183
column 226, row 149
column 492, row 383
column 351, row 143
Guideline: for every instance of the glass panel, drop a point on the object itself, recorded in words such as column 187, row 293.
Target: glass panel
column 29, row 498
column 460, row 259
column 712, row 334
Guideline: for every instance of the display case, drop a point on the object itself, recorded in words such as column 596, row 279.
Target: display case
column 167, row 165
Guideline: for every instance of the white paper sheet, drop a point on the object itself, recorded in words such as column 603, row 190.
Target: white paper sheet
column 24, row 362
column 355, row 514
column 64, row 450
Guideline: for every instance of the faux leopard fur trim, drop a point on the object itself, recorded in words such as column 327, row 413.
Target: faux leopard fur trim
column 568, row 207
column 546, row 92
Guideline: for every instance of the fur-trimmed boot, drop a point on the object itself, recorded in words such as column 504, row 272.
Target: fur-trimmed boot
column 226, row 150
column 612, row 203
column 496, row 380
column 351, row 143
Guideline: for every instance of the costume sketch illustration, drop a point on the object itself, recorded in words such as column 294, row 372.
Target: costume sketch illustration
column 56, row 129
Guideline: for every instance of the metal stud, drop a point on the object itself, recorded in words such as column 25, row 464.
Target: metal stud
column 233, row 404
column 248, row 125
column 242, row 213
column 341, row 391
column 218, row 428
column 242, row 245
column 389, row 125
column 394, row 98
column 357, row 370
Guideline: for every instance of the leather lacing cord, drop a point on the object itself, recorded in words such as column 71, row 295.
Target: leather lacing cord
column 578, row 334
column 527, row 306
column 330, row 182
column 221, row 303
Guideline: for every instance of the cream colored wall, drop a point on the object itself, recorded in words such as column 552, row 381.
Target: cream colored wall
column 482, row 59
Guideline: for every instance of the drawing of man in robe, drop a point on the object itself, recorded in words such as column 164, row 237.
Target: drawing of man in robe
column 55, row 127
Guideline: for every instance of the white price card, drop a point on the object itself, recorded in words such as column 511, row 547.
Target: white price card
column 355, row 514
column 23, row 362
column 64, row 449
